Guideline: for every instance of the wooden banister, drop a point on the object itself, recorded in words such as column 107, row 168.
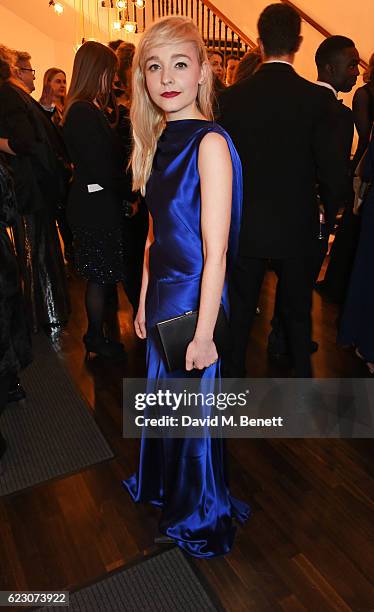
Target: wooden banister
column 316, row 26
column 230, row 24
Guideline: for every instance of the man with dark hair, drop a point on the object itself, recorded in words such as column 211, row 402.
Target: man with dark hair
column 279, row 30
column 281, row 126
column 337, row 61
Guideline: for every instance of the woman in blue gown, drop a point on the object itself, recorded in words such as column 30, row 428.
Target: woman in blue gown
column 357, row 326
column 193, row 192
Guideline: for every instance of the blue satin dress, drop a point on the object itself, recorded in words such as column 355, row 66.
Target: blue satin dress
column 184, row 477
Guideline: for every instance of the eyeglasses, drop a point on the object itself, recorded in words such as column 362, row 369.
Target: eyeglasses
column 29, row 70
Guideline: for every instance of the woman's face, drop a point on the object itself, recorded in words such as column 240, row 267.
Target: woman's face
column 173, row 75
column 58, row 85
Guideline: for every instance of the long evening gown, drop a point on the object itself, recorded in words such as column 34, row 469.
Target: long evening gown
column 184, row 477
column 357, row 321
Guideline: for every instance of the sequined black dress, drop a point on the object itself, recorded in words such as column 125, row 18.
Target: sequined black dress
column 95, row 204
column 35, row 169
column 15, row 345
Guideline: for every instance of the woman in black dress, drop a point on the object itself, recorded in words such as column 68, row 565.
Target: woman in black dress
column 363, row 112
column 15, row 345
column 95, row 205
column 32, row 150
column 357, row 326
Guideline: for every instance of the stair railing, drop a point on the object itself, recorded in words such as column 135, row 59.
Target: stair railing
column 217, row 30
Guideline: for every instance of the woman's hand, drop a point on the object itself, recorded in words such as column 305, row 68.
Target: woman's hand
column 200, row 354
column 139, row 322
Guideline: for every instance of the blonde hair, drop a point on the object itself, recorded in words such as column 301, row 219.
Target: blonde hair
column 368, row 75
column 148, row 121
column 95, row 66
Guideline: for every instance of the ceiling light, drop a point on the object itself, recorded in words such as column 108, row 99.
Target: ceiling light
column 130, row 26
column 57, row 7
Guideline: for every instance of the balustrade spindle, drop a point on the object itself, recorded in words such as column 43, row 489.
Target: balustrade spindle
column 191, row 9
column 232, row 42
column 186, row 9
column 177, row 7
column 214, row 31
column 208, row 26
column 167, row 7
column 153, row 10
column 159, row 8
column 239, row 47
column 220, row 33
column 202, row 19
column 172, row 7
column 225, row 47
column 245, row 48
column 134, row 15
column 197, row 13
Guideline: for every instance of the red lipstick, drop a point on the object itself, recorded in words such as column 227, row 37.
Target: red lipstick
column 170, row 94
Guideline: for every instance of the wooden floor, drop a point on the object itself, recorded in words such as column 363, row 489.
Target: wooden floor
column 307, row 546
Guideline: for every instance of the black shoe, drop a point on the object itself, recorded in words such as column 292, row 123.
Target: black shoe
column 99, row 345
column 16, row 393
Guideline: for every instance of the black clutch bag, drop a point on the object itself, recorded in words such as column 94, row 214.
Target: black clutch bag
column 176, row 334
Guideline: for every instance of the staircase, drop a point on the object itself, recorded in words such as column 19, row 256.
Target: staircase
column 218, row 32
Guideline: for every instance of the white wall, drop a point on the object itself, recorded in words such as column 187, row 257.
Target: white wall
column 354, row 19
column 17, row 33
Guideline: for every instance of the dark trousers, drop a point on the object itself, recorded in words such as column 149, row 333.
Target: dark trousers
column 295, row 299
column 342, row 256
column 278, row 340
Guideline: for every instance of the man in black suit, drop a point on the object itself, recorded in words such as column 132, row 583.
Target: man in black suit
column 337, row 61
column 340, row 69
column 281, row 126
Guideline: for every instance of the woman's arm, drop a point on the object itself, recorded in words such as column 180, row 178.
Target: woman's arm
column 139, row 322
column 215, row 169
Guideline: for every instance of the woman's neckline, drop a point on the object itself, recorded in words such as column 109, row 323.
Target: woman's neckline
column 184, row 121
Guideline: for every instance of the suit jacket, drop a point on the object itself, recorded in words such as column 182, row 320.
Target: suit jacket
column 343, row 135
column 282, row 126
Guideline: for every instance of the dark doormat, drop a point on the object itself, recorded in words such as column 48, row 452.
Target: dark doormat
column 51, row 433
column 165, row 582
